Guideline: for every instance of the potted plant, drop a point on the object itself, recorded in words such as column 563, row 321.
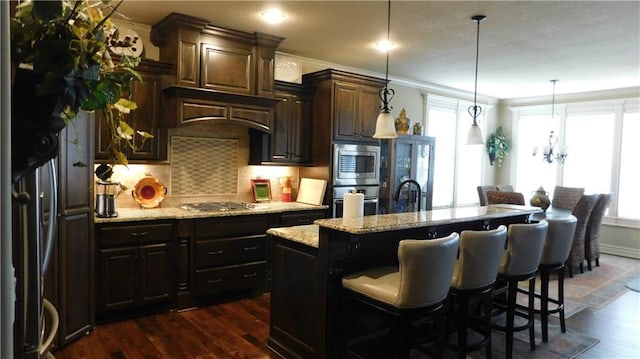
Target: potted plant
column 60, row 65
column 498, row 145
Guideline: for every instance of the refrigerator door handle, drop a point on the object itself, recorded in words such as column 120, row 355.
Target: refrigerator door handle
column 53, row 217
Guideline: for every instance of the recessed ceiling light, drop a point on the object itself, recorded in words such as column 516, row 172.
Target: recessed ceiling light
column 273, row 16
column 384, row 45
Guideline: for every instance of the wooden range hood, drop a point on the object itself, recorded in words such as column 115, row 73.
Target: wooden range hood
column 219, row 74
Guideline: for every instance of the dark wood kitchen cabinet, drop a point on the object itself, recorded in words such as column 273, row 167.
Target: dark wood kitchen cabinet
column 135, row 267
column 147, row 117
column 346, row 103
column 229, row 256
column 298, row 218
column 69, row 281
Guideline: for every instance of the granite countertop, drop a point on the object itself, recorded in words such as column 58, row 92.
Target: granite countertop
column 144, row 214
column 306, row 234
column 396, row 221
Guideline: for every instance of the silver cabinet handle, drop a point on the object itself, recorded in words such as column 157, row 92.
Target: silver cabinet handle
column 214, row 253
column 250, row 248
column 139, row 234
column 214, row 281
column 250, row 275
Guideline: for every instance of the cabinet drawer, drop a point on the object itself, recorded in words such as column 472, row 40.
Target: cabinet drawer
column 231, row 226
column 246, row 277
column 119, row 235
column 300, row 218
column 221, row 252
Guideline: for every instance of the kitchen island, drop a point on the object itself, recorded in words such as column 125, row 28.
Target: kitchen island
column 308, row 263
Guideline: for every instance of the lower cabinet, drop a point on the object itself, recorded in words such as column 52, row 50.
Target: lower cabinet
column 229, row 256
column 299, row 218
column 135, row 266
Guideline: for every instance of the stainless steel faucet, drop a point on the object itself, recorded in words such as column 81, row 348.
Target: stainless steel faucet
column 418, row 198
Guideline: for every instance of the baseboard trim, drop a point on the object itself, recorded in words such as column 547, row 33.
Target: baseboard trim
column 620, row 251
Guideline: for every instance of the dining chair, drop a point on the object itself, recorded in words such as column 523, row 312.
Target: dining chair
column 417, row 288
column 592, row 237
column 496, row 197
column 482, row 191
column 581, row 211
column 520, row 262
column 474, row 275
column 566, row 197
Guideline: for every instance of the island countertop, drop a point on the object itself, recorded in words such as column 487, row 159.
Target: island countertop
column 398, row 221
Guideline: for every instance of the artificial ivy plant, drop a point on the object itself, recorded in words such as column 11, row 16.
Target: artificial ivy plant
column 498, row 145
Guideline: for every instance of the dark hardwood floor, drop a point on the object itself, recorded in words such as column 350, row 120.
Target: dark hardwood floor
column 239, row 329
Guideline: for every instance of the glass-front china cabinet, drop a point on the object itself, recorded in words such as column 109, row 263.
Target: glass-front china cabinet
column 404, row 160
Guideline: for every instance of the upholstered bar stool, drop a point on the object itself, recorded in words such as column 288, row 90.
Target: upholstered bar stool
column 554, row 255
column 581, row 211
column 473, row 277
column 416, row 289
column 592, row 237
column 520, row 262
column 496, row 197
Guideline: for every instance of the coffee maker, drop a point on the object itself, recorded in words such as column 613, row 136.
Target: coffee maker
column 106, row 194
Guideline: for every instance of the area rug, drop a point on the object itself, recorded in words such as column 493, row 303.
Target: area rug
column 634, row 284
column 595, row 288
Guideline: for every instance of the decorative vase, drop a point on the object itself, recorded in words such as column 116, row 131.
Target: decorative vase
column 403, row 123
column 540, row 199
column 417, row 128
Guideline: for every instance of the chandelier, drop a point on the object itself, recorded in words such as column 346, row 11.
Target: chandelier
column 553, row 151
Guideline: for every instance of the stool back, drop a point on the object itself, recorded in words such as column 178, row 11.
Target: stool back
column 559, row 239
column 496, row 197
column 524, row 248
column 425, row 268
column 479, row 258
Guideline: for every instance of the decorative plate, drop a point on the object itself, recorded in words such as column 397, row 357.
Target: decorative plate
column 149, row 192
column 127, row 35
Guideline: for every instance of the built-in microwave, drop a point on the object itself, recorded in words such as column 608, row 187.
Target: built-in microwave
column 356, row 164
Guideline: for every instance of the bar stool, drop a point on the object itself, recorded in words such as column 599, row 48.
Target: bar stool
column 416, row 289
column 520, row 262
column 556, row 251
column 473, row 278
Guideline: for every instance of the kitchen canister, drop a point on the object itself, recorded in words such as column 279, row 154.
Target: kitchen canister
column 353, row 205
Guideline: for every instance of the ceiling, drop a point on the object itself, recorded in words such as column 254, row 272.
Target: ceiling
column 586, row 45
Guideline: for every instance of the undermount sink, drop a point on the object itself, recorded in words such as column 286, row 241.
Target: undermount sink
column 217, row 206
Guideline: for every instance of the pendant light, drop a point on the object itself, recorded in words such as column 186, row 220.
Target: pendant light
column 385, row 124
column 474, row 136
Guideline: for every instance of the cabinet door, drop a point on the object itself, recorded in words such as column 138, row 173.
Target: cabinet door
column 423, row 170
column 299, row 144
column 345, row 111
column 117, row 281
column 281, row 129
column 146, row 95
column 157, row 274
column 368, row 111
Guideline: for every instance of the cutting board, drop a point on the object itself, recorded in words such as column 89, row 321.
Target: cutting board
column 311, row 191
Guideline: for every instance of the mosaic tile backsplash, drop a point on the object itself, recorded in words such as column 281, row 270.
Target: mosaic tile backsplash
column 203, row 166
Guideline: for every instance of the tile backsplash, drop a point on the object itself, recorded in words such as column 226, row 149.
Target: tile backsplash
column 207, row 162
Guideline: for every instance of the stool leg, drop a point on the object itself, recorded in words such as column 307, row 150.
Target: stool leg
column 588, row 264
column 461, row 324
column 512, row 292
column 597, row 261
column 487, row 321
column 544, row 304
column 531, row 313
column 570, row 266
column 440, row 320
column 563, row 327
column 581, row 267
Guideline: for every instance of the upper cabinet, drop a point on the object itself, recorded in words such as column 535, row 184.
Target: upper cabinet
column 147, row 95
column 345, row 108
column 219, row 74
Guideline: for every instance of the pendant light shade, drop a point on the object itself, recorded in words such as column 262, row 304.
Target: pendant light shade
column 474, row 136
column 385, row 124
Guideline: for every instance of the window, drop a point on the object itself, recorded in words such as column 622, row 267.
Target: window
column 602, row 144
column 628, row 190
column 458, row 167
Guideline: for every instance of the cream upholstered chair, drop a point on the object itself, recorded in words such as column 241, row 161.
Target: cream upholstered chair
column 554, row 255
column 520, row 261
column 566, row 197
column 473, row 277
column 496, row 197
column 592, row 237
column 417, row 288
column 581, row 211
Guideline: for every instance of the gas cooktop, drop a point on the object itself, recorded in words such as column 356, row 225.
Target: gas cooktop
column 217, row 206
